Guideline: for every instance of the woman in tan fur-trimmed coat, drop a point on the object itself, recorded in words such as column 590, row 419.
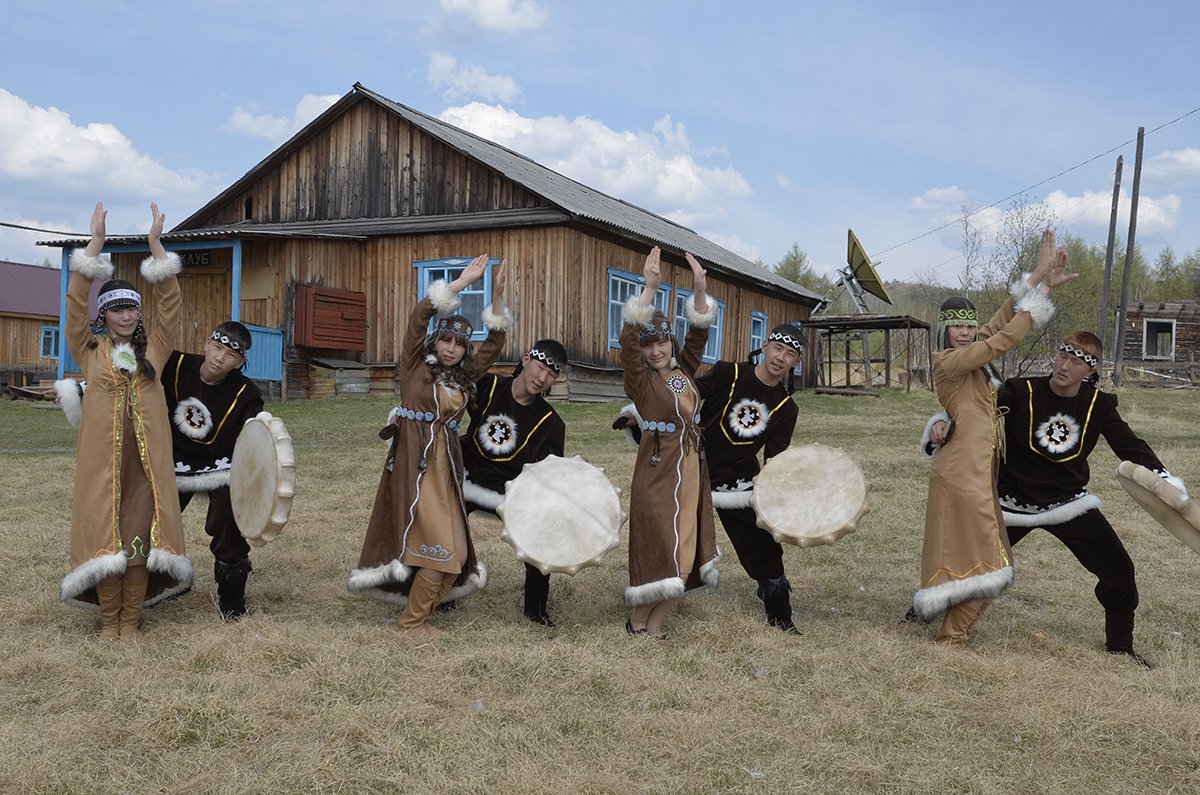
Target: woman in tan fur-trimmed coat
column 126, row 532
column 967, row 561
column 672, row 541
column 417, row 551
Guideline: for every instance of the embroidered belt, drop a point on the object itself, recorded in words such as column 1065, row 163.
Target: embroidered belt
column 650, row 425
column 422, row 416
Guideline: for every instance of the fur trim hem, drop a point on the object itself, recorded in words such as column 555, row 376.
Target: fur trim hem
column 928, row 448
column 86, row 575
column 635, row 313
column 654, row 592
column 483, row 497
column 177, row 567
column 159, row 269
column 368, row 582
column 928, row 603
column 203, row 481
column 709, row 574
column 1057, row 515
column 1039, row 307
column 476, row 582
column 442, row 297
column 495, row 322
column 1019, row 287
column 92, row 268
column 700, row 319
column 732, row 500
column 69, row 400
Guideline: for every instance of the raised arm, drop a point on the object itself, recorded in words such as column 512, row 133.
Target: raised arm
column 160, row 270
column 86, row 267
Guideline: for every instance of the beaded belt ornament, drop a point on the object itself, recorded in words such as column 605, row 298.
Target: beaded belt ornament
column 650, row 425
column 421, row 416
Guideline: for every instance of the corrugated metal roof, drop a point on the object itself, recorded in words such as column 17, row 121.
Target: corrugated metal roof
column 29, row 289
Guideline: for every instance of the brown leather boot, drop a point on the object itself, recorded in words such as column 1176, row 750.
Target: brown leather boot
column 422, row 601
column 133, row 593
column 108, row 591
column 956, row 626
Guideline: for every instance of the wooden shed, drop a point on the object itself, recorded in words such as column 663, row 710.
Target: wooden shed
column 1162, row 342
column 324, row 246
column 29, row 336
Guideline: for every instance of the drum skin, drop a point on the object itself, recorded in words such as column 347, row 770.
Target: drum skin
column 561, row 515
column 1179, row 514
column 262, row 478
column 809, row 495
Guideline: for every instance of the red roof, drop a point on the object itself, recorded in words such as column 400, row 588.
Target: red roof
column 29, row 289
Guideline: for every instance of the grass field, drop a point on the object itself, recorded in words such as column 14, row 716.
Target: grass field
column 317, row 692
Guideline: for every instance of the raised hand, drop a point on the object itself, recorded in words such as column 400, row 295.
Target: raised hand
column 1047, row 254
column 699, row 275
column 1058, row 273
column 500, row 279
column 156, row 228
column 96, row 244
column 652, row 272
column 471, row 274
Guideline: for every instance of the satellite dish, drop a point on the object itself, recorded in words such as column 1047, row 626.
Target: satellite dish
column 864, row 270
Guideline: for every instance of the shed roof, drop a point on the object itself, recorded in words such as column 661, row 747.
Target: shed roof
column 863, row 322
column 1178, row 310
column 29, row 289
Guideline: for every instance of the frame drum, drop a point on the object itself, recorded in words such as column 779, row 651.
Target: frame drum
column 809, row 495
column 262, row 478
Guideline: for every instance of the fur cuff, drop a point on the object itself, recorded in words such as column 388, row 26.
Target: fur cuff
column 732, row 500
column 1039, row 307
column 484, row 498
column 70, row 399
column 84, row 577
column 155, row 270
column 653, row 592
column 709, row 575
column 1056, row 515
column 928, row 603
column 1018, row 288
column 186, row 483
column 494, row 322
column 928, row 448
column 442, row 297
column 700, row 319
column 632, row 433
column 92, row 268
column 636, row 313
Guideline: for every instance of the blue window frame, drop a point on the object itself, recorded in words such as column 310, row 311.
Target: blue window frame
column 623, row 285
column 50, row 342
column 472, row 300
column 712, row 351
column 758, row 330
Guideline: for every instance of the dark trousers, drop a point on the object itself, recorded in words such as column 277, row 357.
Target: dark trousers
column 227, row 544
column 760, row 554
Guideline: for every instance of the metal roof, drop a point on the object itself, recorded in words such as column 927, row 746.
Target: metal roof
column 29, row 289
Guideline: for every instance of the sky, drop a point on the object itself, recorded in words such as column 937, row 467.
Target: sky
column 758, row 124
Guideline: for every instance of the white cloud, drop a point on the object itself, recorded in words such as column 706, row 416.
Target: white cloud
column 503, row 16
column 784, row 182
column 736, row 245
column 1156, row 214
column 461, row 81
column 43, row 147
column 1181, row 165
column 279, row 128
column 656, row 169
column 938, row 199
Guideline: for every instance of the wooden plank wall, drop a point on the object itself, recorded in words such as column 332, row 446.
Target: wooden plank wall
column 21, row 342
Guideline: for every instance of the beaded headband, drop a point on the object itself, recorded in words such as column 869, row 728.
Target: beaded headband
column 959, row 317
column 1079, row 353
column 659, row 327
column 456, row 325
column 117, row 298
column 796, row 342
column 229, row 342
column 546, row 359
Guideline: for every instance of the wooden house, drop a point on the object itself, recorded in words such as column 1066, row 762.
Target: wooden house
column 324, row 246
column 1162, row 342
column 29, row 333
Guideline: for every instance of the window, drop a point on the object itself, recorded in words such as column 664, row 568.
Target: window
column 712, row 351
column 623, row 285
column 472, row 300
column 1158, row 339
column 758, row 330
column 49, row 342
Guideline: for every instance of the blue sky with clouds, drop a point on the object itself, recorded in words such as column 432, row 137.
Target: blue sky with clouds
column 758, row 124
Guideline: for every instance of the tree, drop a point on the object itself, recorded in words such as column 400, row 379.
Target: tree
column 797, row 267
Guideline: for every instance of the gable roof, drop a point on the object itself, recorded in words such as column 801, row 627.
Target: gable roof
column 580, row 202
column 29, row 289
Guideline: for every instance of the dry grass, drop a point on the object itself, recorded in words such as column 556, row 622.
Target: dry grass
column 316, row 692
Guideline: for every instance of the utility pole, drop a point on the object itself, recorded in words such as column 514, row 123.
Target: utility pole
column 1108, row 258
column 1119, row 354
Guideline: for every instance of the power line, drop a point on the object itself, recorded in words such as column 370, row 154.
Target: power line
column 38, row 229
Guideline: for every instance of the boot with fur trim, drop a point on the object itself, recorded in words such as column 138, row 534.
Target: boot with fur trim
column 108, row 591
column 777, row 603
column 133, row 593
column 231, row 587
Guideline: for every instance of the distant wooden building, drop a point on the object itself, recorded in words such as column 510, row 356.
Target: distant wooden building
column 29, row 335
column 1162, row 342
column 324, row 246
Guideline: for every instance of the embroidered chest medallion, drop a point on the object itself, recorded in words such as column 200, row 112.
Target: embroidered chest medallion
column 748, row 418
column 497, row 435
column 193, row 418
column 1059, row 434
column 677, row 384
